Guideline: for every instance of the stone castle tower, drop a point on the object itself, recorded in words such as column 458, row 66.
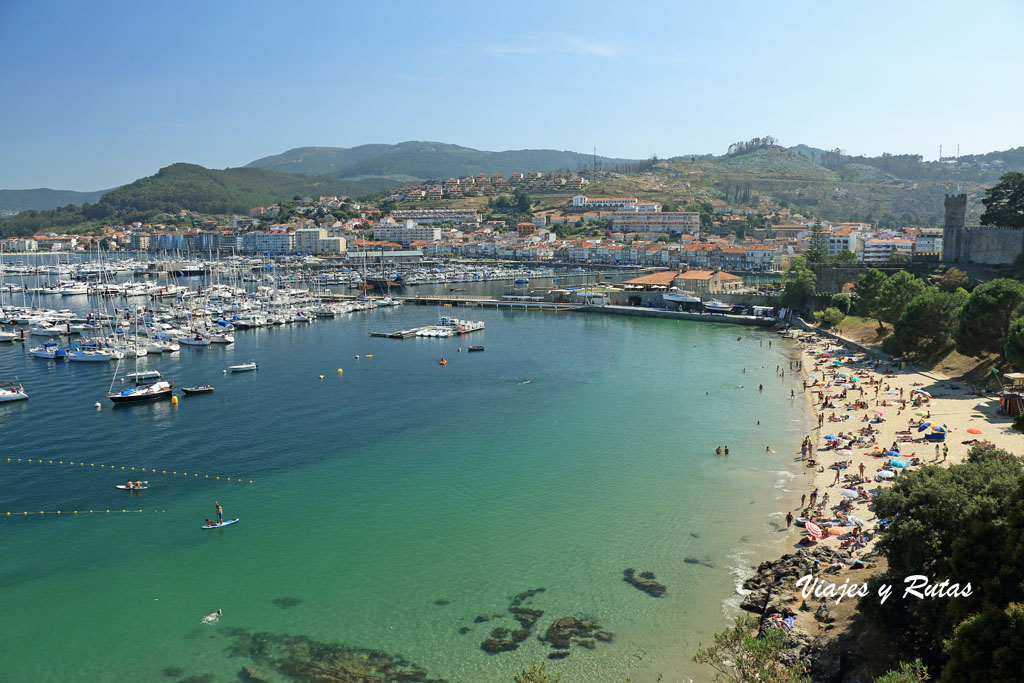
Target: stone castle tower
column 953, row 229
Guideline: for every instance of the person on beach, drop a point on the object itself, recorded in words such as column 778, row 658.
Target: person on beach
column 937, row 451
column 220, row 513
column 945, row 452
column 727, row 450
column 803, row 500
column 814, row 497
column 789, row 519
column 718, row 451
column 838, row 472
column 760, row 387
column 861, row 468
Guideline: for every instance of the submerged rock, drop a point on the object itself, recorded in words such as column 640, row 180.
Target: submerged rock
column 518, row 600
column 561, row 632
column 559, row 654
column 520, row 635
column 494, row 645
column 174, row 672
column 251, row 673
column 499, row 632
column 285, row 603
column 525, row 616
column 442, row 602
column 464, row 630
column 644, row 582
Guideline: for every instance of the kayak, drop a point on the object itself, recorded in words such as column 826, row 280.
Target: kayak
column 217, row 526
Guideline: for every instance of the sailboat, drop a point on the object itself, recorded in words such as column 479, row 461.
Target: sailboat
column 140, row 392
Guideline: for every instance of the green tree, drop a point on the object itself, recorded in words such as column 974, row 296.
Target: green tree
column 522, row 201
column 1004, row 205
column 817, row 252
column 869, row 290
column 830, row 317
column 985, row 319
column 845, row 256
column 535, row 674
column 739, row 655
column 988, row 646
column 954, row 279
column 906, row 672
column 1014, row 348
column 800, row 285
column 927, row 325
column 842, row 302
column 896, row 294
column 949, row 524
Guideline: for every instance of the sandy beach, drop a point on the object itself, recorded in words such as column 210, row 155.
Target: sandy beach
column 871, row 416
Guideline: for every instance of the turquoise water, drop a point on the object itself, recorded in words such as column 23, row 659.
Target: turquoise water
column 572, row 448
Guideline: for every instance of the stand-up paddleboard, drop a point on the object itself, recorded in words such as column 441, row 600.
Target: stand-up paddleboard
column 217, row 526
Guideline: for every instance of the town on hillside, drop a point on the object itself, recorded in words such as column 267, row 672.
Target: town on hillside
column 586, row 230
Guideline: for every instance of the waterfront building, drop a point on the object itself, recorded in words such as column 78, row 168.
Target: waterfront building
column 579, row 201
column 656, row 221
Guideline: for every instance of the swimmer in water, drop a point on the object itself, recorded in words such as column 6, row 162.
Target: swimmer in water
column 213, row 618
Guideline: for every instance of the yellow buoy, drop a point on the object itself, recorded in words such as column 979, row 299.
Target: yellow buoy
column 340, row 371
column 369, row 355
column 174, row 400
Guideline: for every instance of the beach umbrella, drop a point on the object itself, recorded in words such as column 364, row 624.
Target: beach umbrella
column 848, row 493
column 837, row 362
column 830, row 437
column 899, row 463
column 845, row 451
column 922, row 392
column 813, row 530
column 885, row 474
column 844, row 374
column 826, row 354
column 939, row 429
column 920, row 414
column 856, row 520
column 813, row 376
column 923, row 426
column 896, row 453
column 879, row 412
column 855, row 379
column 972, row 430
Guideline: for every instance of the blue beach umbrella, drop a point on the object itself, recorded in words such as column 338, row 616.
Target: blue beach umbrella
column 899, row 463
column 923, row 426
column 940, row 430
column 830, row 437
column 896, row 453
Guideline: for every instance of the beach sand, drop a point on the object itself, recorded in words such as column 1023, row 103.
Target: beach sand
column 885, row 386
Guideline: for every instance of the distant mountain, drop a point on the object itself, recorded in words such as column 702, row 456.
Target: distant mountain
column 423, row 161
column 188, row 186
column 44, row 198
column 233, row 190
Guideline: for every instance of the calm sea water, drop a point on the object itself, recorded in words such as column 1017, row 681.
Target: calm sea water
column 574, row 447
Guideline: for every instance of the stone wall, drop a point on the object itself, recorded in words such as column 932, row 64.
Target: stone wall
column 991, row 246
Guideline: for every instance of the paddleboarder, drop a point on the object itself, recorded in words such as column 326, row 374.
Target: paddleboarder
column 220, row 513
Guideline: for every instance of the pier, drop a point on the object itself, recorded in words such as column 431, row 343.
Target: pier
column 642, row 312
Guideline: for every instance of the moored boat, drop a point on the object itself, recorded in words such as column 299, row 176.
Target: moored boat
column 476, row 348
column 243, row 367
column 149, row 392
column 9, row 391
column 205, row 389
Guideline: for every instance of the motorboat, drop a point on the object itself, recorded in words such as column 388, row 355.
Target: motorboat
column 680, row 298
column 244, row 367
column 149, row 392
column 49, row 350
column 205, row 389
column 476, row 348
column 715, row 306
column 9, row 391
column 195, row 339
column 83, row 354
column 6, row 336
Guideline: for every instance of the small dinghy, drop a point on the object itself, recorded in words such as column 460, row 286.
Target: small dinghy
column 244, row 367
column 197, row 390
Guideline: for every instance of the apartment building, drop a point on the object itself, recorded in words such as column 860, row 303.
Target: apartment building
column 656, row 221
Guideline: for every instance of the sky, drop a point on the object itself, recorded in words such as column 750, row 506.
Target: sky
column 96, row 94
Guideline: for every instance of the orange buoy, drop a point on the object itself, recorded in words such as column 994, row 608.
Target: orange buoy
column 443, row 362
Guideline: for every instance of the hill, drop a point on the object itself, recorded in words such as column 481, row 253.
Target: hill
column 44, row 198
column 774, row 162
column 188, row 186
column 423, row 161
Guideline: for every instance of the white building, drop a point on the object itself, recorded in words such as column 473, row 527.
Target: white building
column 656, row 221
column 845, row 239
column 307, row 240
column 580, row 201
column 882, row 250
column 405, row 233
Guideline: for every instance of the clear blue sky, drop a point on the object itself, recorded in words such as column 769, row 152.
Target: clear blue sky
column 96, row 94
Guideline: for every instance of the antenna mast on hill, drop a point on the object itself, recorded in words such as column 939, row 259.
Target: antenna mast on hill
column 595, row 160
